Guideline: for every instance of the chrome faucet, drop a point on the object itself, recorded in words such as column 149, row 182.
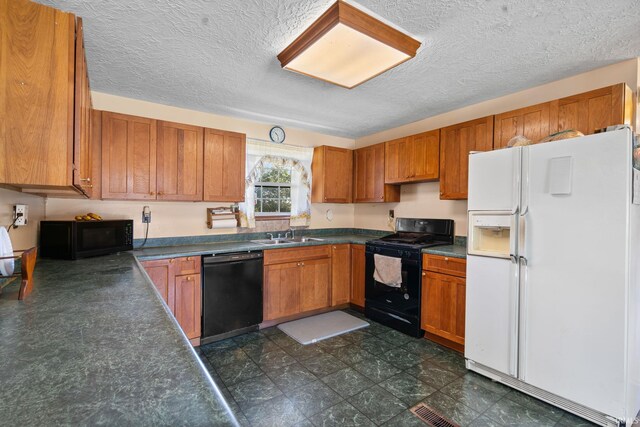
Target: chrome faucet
column 270, row 236
column 292, row 232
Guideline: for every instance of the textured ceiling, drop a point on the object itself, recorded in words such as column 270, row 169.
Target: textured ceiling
column 219, row 56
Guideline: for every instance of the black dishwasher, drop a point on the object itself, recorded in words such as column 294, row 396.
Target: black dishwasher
column 231, row 295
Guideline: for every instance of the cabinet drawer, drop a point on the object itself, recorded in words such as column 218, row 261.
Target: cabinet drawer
column 186, row 265
column 445, row 265
column 278, row 256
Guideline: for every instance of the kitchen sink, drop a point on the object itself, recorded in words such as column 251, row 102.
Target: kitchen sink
column 284, row 241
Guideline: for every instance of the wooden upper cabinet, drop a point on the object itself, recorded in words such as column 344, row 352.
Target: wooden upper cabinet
column 224, row 166
column 534, row 122
column 413, row 158
column 332, row 170
column 82, row 146
column 368, row 182
column 456, row 143
column 179, row 161
column 128, row 157
column 37, row 55
column 589, row 111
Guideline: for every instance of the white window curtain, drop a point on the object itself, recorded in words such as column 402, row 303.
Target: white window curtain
column 259, row 154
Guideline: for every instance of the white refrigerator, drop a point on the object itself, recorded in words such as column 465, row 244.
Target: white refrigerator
column 553, row 291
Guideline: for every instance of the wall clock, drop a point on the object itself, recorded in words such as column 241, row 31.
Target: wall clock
column 277, row 134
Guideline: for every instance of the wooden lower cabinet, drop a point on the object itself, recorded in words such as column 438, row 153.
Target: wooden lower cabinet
column 187, row 304
column 179, row 283
column 281, row 290
column 357, row 275
column 443, row 301
column 315, row 284
column 340, row 274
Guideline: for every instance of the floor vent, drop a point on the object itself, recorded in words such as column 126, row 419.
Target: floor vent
column 431, row 417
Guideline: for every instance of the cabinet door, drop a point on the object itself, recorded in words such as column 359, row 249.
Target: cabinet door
column 340, row 274
column 281, row 290
column 425, row 156
column 596, row 109
column 315, row 281
column 332, row 170
column 224, row 166
column 161, row 275
column 397, row 167
column 179, row 161
column 455, row 144
column 128, row 157
column 36, row 94
column 357, row 274
column 187, row 308
column 82, row 147
column 534, row 122
column 443, row 306
column 369, row 170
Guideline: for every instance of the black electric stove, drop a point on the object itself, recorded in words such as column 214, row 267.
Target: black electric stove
column 399, row 307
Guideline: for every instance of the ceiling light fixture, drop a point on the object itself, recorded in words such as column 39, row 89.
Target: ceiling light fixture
column 347, row 47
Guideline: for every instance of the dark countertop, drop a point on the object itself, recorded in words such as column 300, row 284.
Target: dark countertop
column 95, row 344
column 225, row 247
column 453, row 251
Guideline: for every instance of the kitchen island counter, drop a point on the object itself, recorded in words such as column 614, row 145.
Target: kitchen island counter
column 94, row 344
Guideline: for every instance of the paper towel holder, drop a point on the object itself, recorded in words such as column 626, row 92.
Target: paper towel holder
column 221, row 214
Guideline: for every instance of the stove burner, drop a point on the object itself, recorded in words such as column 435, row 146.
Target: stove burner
column 409, row 238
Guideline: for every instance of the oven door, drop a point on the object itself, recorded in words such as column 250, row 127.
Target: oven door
column 403, row 303
column 94, row 238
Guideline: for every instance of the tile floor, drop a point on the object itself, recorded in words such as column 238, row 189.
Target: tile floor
column 368, row 377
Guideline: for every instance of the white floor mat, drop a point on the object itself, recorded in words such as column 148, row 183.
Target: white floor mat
column 317, row 328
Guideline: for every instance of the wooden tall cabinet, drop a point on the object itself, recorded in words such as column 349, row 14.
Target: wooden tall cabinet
column 596, row 109
column 357, row 275
column 534, row 122
column 179, row 161
column 224, row 166
column 413, row 158
column 340, row 274
column 456, row 143
column 368, row 177
column 128, row 157
column 332, row 170
column 39, row 96
column 178, row 281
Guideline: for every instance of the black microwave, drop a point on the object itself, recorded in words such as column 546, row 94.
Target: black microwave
column 83, row 239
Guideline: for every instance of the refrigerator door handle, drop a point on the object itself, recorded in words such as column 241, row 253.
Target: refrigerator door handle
column 522, row 324
column 513, row 318
column 517, row 182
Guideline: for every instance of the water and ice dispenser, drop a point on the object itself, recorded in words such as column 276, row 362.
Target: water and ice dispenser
column 490, row 234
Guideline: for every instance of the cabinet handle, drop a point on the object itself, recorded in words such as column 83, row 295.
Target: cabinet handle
column 171, row 261
column 85, row 179
column 151, row 193
column 188, row 258
column 302, row 264
column 424, row 274
column 189, row 278
column 446, row 259
column 335, row 247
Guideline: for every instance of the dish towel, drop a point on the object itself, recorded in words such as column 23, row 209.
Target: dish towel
column 388, row 270
column 6, row 265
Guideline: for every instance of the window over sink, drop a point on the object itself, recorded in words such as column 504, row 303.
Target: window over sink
column 273, row 191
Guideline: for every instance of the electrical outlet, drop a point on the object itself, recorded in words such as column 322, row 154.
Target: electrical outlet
column 20, row 215
column 146, row 215
column 392, row 213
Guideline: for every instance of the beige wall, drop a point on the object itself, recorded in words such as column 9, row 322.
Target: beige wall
column 185, row 218
column 27, row 236
column 422, row 200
